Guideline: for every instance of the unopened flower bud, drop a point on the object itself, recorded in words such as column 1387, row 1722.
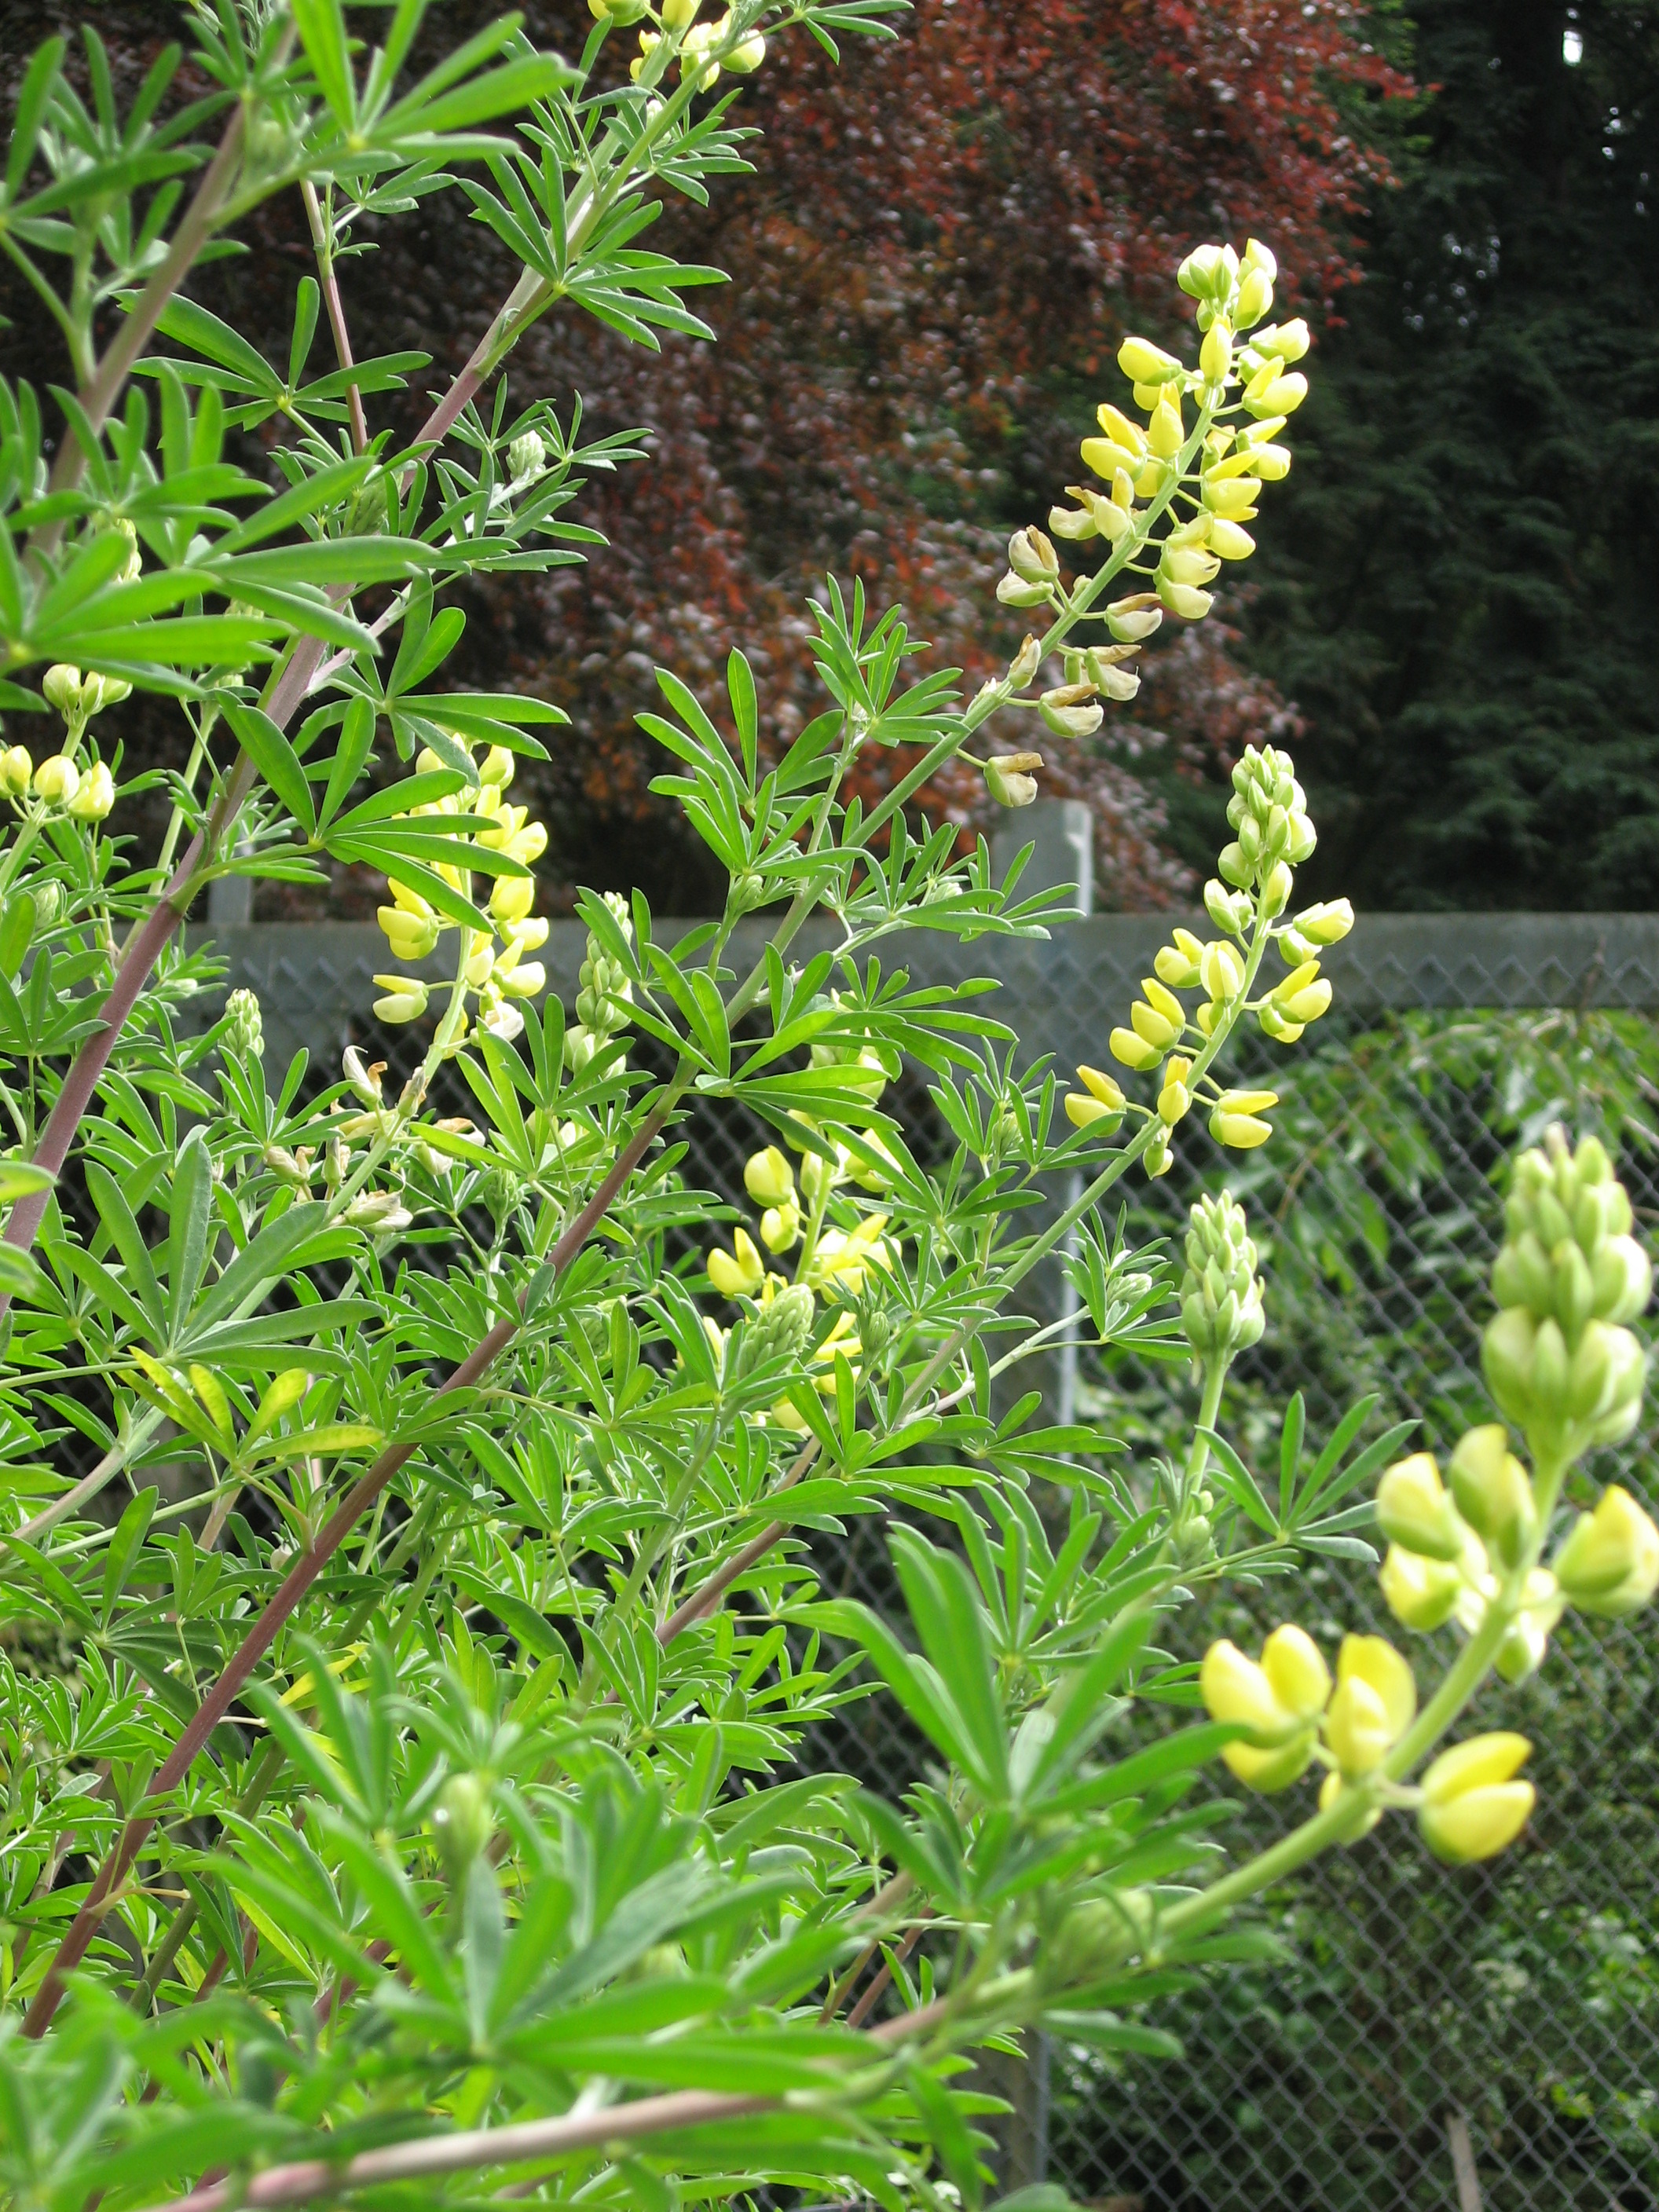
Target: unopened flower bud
column 244, row 1034
column 746, row 57
column 1184, row 599
column 1285, row 342
column 1296, row 1671
column 1174, row 1099
column 1610, row 1564
column 1237, row 1689
column 1031, row 557
column 1327, row 923
column 57, row 779
column 94, row 795
column 780, row 1225
column 1492, row 1493
column 1177, row 962
column 1374, row 1703
column 1215, row 355
column 1228, row 911
column 1080, row 720
column 1111, row 679
column 1221, row 972
column 1014, row 591
column 461, row 1824
column 405, row 1000
column 527, row 457
column 1236, row 1121
column 768, row 1177
column 1204, row 274
column 1026, row 663
column 62, row 686
column 16, row 770
column 410, row 936
column 1413, row 1510
column 738, row 1273
column 1255, row 296
column 1142, row 363
column 1132, row 1050
column 1131, row 620
column 1420, row 1593
column 1472, row 1807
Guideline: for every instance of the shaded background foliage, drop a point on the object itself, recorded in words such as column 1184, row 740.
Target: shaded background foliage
column 1462, row 588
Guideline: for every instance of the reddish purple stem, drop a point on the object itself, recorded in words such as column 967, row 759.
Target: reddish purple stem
column 294, row 1587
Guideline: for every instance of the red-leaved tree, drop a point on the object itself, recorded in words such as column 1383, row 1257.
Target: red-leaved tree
column 941, row 240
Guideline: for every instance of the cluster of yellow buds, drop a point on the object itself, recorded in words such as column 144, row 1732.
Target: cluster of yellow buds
column 834, row 1262
column 604, row 994
column 1205, row 477
column 1268, row 809
column 697, row 43
column 1449, row 1552
column 1269, row 814
column 495, row 974
column 78, row 698
column 1286, row 1699
column 1137, row 464
column 1563, row 1368
column 1221, row 1293
column 85, row 793
column 1468, row 1805
column 1158, row 1027
column 1558, row 1360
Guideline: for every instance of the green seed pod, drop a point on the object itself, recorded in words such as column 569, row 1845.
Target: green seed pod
column 461, row 1824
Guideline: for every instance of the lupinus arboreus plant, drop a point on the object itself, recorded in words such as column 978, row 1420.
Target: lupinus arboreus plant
column 411, row 1800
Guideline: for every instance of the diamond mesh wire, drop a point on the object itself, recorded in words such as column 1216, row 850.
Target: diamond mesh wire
column 1525, row 1996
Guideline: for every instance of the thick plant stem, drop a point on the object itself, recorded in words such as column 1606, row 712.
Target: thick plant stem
column 143, row 950
column 473, row 2149
column 295, row 1586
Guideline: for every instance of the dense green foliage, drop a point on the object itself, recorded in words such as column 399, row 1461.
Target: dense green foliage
column 1465, row 596
column 1526, row 1995
column 397, row 1718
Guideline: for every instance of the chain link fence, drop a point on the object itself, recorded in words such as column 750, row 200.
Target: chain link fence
column 1487, row 2036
